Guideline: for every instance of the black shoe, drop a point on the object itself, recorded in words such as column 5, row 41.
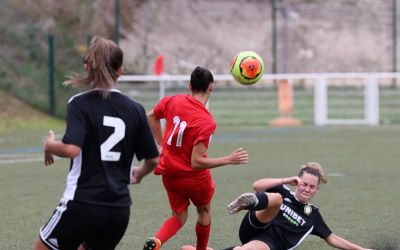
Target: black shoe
column 152, row 244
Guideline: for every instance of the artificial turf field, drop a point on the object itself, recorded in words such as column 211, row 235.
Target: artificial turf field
column 360, row 203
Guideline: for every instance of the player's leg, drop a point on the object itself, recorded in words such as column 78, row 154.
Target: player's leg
column 267, row 204
column 252, row 245
column 253, row 234
column 62, row 231
column 179, row 203
column 168, row 229
column 201, row 197
column 203, row 226
column 268, row 214
column 39, row 245
column 201, row 193
column 172, row 225
column 108, row 227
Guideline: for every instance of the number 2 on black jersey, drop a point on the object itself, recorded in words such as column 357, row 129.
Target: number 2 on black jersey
column 182, row 125
column 119, row 134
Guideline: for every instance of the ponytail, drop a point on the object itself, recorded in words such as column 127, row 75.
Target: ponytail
column 102, row 61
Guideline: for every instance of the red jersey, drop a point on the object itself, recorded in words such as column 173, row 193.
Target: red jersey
column 187, row 123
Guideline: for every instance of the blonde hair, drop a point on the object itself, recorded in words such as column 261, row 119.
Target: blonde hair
column 102, row 60
column 314, row 168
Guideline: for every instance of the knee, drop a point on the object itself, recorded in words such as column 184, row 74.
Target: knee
column 181, row 216
column 275, row 199
column 204, row 215
column 203, row 210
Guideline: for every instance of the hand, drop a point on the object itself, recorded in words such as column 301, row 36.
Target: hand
column 48, row 156
column 294, row 181
column 239, row 156
column 135, row 176
column 159, row 148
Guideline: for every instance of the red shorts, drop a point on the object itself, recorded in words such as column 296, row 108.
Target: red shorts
column 182, row 190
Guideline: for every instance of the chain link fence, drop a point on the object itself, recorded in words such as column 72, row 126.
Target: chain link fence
column 311, row 36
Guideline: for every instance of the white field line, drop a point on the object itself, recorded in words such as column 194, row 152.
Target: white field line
column 21, row 160
column 336, row 174
column 17, row 158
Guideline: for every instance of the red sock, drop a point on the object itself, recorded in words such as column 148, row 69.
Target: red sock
column 168, row 229
column 203, row 233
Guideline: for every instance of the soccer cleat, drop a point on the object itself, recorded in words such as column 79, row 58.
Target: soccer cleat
column 242, row 202
column 190, row 247
column 152, row 244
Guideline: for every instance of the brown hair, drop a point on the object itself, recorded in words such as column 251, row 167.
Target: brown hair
column 102, row 61
column 314, row 168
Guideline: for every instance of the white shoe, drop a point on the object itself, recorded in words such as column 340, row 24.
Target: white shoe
column 244, row 200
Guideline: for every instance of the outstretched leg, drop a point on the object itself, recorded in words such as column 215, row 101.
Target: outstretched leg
column 256, row 202
column 252, row 245
column 268, row 214
column 167, row 230
column 263, row 209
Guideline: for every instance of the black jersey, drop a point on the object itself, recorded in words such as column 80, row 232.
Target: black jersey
column 296, row 220
column 110, row 132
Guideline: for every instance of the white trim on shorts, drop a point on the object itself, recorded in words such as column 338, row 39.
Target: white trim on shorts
column 46, row 230
column 263, row 227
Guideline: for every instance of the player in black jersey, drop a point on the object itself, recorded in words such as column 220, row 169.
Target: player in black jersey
column 105, row 130
column 279, row 218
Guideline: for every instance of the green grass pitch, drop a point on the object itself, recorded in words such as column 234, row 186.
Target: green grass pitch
column 360, row 202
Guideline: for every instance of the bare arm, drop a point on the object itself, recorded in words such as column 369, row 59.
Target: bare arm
column 267, row 183
column 143, row 170
column 58, row 148
column 199, row 161
column 155, row 126
column 338, row 242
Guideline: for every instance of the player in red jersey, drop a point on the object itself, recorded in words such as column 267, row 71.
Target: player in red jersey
column 184, row 164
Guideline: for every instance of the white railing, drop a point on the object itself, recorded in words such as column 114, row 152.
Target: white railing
column 318, row 86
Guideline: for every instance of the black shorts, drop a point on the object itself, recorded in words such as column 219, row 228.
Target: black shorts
column 74, row 223
column 252, row 229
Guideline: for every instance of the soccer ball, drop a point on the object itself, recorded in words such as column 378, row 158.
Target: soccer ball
column 247, row 67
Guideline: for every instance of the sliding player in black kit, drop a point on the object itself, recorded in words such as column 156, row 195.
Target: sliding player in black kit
column 280, row 219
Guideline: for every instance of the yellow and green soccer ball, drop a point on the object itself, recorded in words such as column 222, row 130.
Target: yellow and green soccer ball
column 247, row 67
